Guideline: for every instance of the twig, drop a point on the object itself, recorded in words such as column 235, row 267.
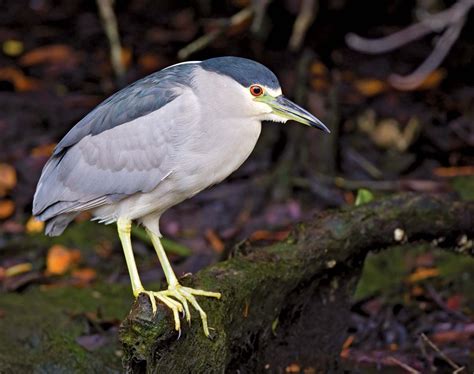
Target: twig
column 365, row 164
column 434, row 23
column 203, row 41
column 306, row 16
column 260, row 9
column 109, row 22
column 442, row 47
column 439, row 301
column 451, row 363
column 452, row 19
column 404, row 366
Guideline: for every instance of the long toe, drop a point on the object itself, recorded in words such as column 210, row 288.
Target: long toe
column 174, row 305
column 177, row 298
column 193, row 291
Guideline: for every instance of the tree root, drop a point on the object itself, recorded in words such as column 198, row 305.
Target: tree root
column 289, row 302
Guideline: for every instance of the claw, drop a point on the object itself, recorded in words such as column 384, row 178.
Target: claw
column 176, row 298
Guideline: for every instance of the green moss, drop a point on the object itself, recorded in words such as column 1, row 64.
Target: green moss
column 386, row 272
column 464, row 186
column 39, row 329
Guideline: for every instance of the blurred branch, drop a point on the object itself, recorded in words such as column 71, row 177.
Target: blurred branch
column 304, row 20
column 456, row 367
column 408, row 368
column 260, row 9
column 109, row 22
column 451, row 20
column 203, row 41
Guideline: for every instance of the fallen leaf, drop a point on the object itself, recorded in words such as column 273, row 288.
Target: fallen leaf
column 126, row 57
column 454, row 171
column 12, row 47
column 454, row 302
column 85, row 275
column 364, row 196
column 7, row 207
column 34, row 226
column 348, row 342
column 18, row 269
column 318, row 68
column 149, row 62
column 269, row 235
column 44, row 150
column 216, row 243
column 293, row 368
column 457, row 336
column 7, row 178
column 432, row 80
column 19, row 80
column 60, row 259
column 423, row 273
column 370, row 87
column 49, row 54
column 349, row 197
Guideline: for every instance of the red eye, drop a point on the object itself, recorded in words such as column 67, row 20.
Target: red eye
column 256, row 90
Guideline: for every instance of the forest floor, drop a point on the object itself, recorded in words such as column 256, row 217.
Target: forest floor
column 70, row 293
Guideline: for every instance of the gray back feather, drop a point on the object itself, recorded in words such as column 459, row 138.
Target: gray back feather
column 122, row 147
column 136, row 100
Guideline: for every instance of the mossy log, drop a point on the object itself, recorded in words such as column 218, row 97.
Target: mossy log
column 289, row 302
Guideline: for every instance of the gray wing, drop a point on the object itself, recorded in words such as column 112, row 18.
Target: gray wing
column 136, row 100
column 103, row 159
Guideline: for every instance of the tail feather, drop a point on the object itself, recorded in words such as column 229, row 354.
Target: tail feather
column 56, row 225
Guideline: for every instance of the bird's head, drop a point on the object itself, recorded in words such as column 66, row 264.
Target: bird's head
column 250, row 89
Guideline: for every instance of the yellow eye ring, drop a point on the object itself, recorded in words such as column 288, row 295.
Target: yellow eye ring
column 256, row 90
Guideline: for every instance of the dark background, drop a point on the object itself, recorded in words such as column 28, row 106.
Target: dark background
column 55, row 67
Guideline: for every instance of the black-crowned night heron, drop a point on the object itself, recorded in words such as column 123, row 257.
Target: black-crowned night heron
column 156, row 143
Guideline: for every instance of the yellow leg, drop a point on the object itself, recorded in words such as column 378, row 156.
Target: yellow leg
column 180, row 293
column 124, row 227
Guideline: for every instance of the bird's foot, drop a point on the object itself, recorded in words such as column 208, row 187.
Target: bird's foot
column 176, row 297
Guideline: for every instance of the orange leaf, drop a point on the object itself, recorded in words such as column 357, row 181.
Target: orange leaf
column 34, row 226
column 318, row 68
column 348, row 342
column 7, row 178
column 454, row 171
column 269, row 235
column 44, row 150
column 215, row 241
column 432, row 80
column 53, row 54
column 7, row 207
column 443, row 337
column 423, row 273
column 19, row 79
column 126, row 57
column 293, row 368
column 60, row 259
column 370, row 87
column 85, row 275
column 149, row 62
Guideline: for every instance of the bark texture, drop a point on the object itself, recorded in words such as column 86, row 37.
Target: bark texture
column 289, row 302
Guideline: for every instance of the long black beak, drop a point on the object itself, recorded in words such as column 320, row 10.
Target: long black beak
column 287, row 109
